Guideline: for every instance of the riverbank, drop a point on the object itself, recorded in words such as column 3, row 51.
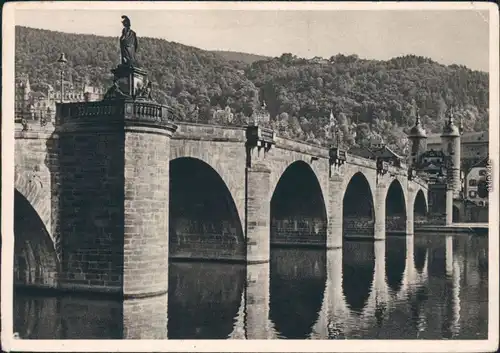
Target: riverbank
column 455, row 228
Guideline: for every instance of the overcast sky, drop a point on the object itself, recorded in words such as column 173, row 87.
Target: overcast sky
column 459, row 37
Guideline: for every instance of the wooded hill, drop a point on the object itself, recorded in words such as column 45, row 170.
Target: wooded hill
column 368, row 98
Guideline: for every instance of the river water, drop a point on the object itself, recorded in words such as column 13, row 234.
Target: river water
column 426, row 287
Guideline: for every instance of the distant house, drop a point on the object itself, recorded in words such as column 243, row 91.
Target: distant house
column 35, row 105
column 476, row 184
column 385, row 154
column 378, row 152
column 434, row 164
column 473, row 147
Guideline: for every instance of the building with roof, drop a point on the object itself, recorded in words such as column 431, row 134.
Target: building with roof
column 457, row 170
column 41, row 104
column 476, row 183
column 473, row 147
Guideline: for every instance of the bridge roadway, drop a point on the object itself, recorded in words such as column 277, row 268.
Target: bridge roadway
column 116, row 189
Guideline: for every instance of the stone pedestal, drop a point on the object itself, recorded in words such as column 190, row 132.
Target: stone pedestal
column 130, row 80
column 114, row 196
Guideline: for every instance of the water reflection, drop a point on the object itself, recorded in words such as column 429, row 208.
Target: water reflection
column 298, row 279
column 426, row 287
column 395, row 264
column 420, row 253
column 205, row 298
column 358, row 265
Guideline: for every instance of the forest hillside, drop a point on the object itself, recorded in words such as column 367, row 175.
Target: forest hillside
column 299, row 98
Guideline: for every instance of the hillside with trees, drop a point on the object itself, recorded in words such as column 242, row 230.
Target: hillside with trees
column 367, row 98
column 245, row 58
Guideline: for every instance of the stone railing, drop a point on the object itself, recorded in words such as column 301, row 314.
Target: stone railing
column 113, row 111
column 403, row 170
column 360, row 161
column 302, row 147
column 195, row 131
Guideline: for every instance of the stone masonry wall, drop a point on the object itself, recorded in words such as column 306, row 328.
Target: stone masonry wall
column 36, row 261
column 299, row 231
column 91, row 166
column 146, row 212
column 32, row 173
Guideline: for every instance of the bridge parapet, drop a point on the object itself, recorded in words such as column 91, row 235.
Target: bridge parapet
column 393, row 170
column 114, row 112
column 302, row 147
column 360, row 161
column 204, row 132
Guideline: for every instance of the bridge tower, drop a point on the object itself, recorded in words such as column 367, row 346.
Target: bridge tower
column 418, row 138
column 450, row 141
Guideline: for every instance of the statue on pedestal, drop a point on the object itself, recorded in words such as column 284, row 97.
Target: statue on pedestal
column 129, row 78
column 128, row 44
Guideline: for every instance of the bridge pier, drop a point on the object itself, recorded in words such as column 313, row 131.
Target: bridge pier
column 449, row 207
column 409, row 220
column 335, row 215
column 258, row 214
column 257, row 194
column 257, row 301
column 114, row 196
column 379, row 228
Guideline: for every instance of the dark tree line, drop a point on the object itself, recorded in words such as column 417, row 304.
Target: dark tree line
column 306, row 99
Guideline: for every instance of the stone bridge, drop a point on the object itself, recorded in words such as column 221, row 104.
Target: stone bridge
column 104, row 199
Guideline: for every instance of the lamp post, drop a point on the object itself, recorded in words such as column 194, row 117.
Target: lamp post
column 62, row 60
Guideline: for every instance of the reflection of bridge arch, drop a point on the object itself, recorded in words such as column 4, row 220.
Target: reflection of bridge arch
column 297, row 285
column 396, row 254
column 203, row 299
column 204, row 220
column 35, row 259
column 395, row 208
column 36, row 318
column 298, row 210
column 357, row 207
column 411, row 277
column 420, row 254
column 358, row 266
column 338, row 320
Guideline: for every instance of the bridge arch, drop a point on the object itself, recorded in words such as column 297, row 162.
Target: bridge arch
column 358, row 207
column 420, row 207
column 224, row 158
column 204, row 221
column 35, row 259
column 33, row 191
column 395, row 207
column 298, row 208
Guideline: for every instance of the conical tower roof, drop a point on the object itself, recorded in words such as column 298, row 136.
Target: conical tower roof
column 450, row 129
column 417, row 131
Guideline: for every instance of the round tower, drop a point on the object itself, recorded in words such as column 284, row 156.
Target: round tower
column 418, row 138
column 450, row 141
